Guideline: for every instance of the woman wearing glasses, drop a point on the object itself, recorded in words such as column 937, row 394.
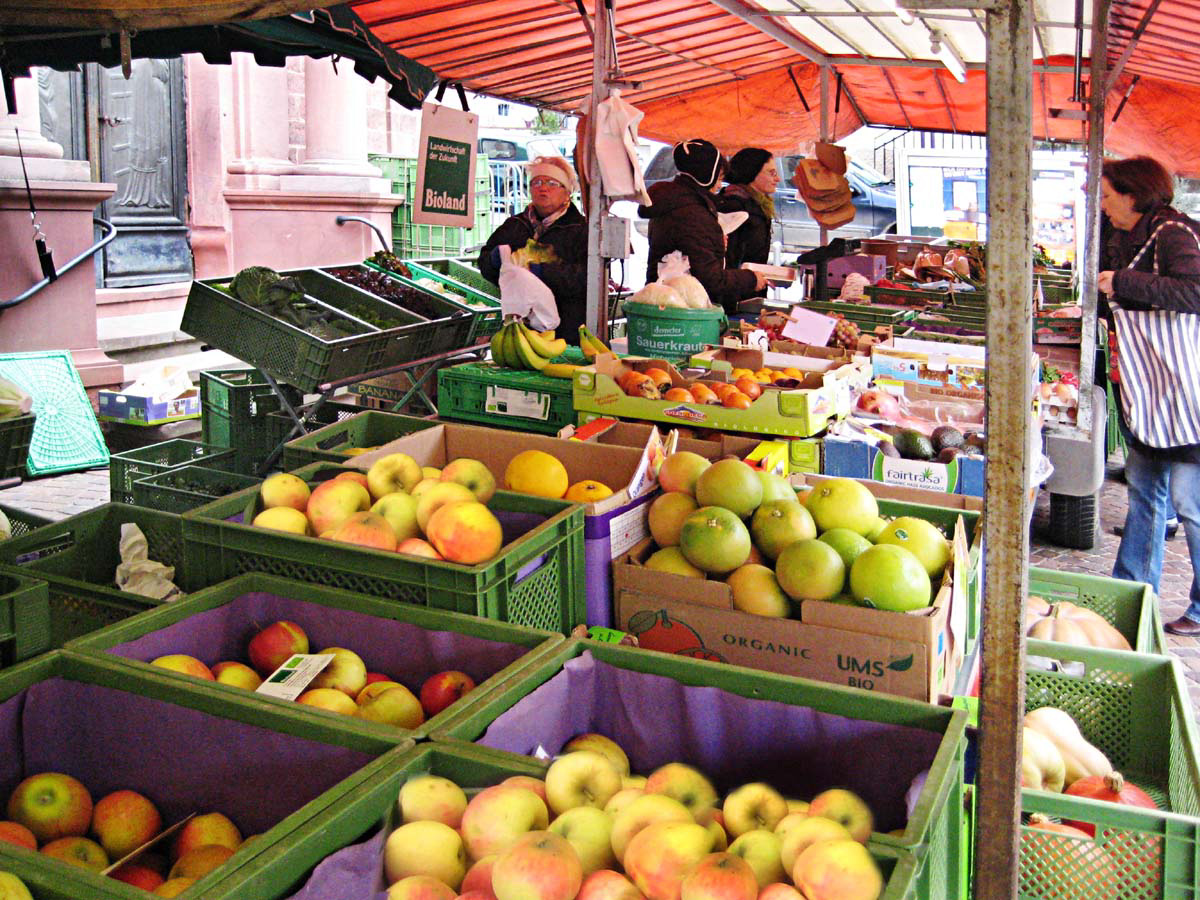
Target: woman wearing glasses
column 552, row 220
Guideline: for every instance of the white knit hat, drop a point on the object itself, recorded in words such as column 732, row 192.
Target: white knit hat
column 554, row 167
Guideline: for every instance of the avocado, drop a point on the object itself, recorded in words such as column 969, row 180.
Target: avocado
column 947, row 454
column 977, row 440
column 946, row 436
column 887, row 448
column 913, row 444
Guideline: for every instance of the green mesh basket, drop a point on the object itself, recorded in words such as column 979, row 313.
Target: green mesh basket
column 127, row 467
column 24, row 618
column 22, row 522
column 366, row 430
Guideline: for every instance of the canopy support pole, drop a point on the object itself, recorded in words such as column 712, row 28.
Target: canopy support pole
column 603, row 62
column 826, row 106
column 1009, row 399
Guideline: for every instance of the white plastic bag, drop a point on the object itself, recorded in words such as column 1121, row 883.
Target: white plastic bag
column 524, row 294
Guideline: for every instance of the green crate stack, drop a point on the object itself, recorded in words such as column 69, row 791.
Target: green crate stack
column 1135, row 709
column 15, row 436
column 412, row 239
column 504, row 398
column 22, row 522
column 862, row 314
column 77, row 557
column 330, row 411
column 24, row 618
column 235, row 405
column 369, row 429
column 1129, row 606
column 933, row 833
column 184, row 488
column 314, row 766
column 537, row 579
column 127, row 467
column 468, row 283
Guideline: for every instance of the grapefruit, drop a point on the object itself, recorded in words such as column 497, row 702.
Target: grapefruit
column 680, row 470
column 847, row 543
column 810, row 570
column 666, row 516
column 670, row 559
column 843, row 503
column 536, row 472
column 715, row 539
column 731, row 484
column 756, row 590
column 778, row 523
column 886, row 576
column 922, row 539
column 776, row 487
column 877, row 529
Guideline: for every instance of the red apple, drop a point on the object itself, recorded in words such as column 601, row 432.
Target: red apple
column 539, row 866
column 78, row 851
column 16, row 833
column 720, row 876
column 444, row 688
column 275, row 644
column 605, row 884
column 138, row 875
column 373, row 677
column 881, row 403
column 124, row 820
column 51, row 805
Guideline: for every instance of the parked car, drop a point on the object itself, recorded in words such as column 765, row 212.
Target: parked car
column 874, row 201
column 507, row 159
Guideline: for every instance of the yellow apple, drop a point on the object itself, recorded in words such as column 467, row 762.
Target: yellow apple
column 537, row 785
column 622, row 799
column 644, row 811
column 235, row 674
column 188, row 665
column 333, row 502
column 846, row 808
column 780, row 891
column 284, row 490
column 432, row 798
column 540, row 865
column 393, row 472
column 760, row 848
column 346, row 672
column 686, row 784
column 199, row 862
column 424, row 485
column 438, row 496
column 751, row 806
column 806, row 834
column 660, row 855
column 13, row 888
column 400, row 511
column 282, row 518
column 788, row 822
column 431, row 472
column 603, row 745
column 425, row 848
column 797, row 806
column 498, row 815
column 330, row 699
column 473, row 475
column 719, row 876
column 720, row 840
column 838, row 870
column 581, row 778
column 589, row 831
column 608, row 885
column 420, row 887
column 633, row 781
column 389, row 703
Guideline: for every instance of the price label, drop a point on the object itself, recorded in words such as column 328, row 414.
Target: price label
column 606, row 635
column 291, row 679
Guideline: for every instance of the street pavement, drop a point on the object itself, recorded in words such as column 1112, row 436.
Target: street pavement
column 63, row 495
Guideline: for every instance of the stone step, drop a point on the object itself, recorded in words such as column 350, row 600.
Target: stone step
column 147, row 341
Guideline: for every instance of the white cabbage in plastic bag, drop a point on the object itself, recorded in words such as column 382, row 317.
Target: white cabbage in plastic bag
column 660, row 295
column 692, row 291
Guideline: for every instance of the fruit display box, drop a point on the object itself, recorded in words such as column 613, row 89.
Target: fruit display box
column 804, row 357
column 1135, row 708
column 738, row 725
column 113, row 728
column 536, row 579
column 957, row 369
column 610, row 526
column 798, row 412
column 851, row 458
column 24, row 618
column 348, row 437
column 407, row 643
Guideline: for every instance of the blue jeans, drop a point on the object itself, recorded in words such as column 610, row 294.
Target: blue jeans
column 1154, row 485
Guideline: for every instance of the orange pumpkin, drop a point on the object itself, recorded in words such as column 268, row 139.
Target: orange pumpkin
column 1111, row 787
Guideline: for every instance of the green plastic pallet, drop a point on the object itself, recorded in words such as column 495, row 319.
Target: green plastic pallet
column 504, row 398
column 186, row 487
column 235, row 405
column 537, row 579
column 24, row 618
column 366, row 429
column 1134, row 708
column 127, row 467
column 337, row 762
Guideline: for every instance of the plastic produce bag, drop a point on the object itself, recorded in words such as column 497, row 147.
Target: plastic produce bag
column 137, row 573
column 524, row 294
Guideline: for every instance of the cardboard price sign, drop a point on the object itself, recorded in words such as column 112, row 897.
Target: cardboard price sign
column 445, row 193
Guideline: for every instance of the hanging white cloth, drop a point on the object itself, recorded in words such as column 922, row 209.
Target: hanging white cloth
column 616, row 148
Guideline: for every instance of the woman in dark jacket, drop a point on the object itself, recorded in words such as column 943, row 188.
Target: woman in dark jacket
column 551, row 219
column 753, row 177
column 1151, row 261
column 683, row 217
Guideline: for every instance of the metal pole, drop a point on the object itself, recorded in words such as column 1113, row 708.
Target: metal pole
column 826, row 106
column 596, row 314
column 1009, row 393
column 1097, row 84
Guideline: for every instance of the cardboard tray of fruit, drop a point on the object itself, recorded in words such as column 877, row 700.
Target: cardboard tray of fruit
column 438, row 658
column 85, row 728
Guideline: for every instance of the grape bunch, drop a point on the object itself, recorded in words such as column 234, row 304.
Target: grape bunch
column 845, row 334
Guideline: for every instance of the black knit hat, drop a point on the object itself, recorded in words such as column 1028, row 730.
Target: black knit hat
column 745, row 165
column 699, row 160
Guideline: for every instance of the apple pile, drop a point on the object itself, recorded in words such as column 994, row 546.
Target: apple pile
column 592, row 831
column 396, row 506
column 344, row 686
column 12, row 887
column 52, row 813
column 774, row 547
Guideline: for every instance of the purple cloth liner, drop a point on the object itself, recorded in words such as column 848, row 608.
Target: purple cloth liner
column 657, row 720
column 408, row 653
column 184, row 760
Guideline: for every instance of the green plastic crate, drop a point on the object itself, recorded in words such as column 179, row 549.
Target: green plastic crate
column 861, row 313
column 504, row 398
column 468, row 283
column 327, row 413
column 327, row 763
column 215, row 623
column 369, row 429
column 1129, row 606
column 1135, row 709
column 537, row 578
column 15, row 436
column 22, row 522
column 127, row 467
column 186, row 487
column 24, row 618
column 235, row 405
column 725, row 742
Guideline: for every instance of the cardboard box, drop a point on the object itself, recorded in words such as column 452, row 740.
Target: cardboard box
column 850, row 458
column 910, row 654
column 734, row 354
column 140, row 409
column 959, row 368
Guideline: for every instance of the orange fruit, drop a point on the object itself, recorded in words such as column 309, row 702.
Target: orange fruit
column 704, row 394
column 587, row 491
column 742, row 373
column 679, row 395
column 721, row 388
column 781, row 376
column 793, row 372
column 536, row 472
column 661, row 379
column 749, row 387
column 763, row 376
column 735, row 399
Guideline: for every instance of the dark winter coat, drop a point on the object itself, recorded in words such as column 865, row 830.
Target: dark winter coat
column 751, row 241
column 683, row 217
column 567, row 279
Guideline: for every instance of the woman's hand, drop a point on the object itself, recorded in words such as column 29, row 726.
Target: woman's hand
column 1104, row 283
column 760, row 281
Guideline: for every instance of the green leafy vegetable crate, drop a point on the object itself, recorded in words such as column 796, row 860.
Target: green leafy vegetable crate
column 127, row 467
column 184, row 488
column 459, row 279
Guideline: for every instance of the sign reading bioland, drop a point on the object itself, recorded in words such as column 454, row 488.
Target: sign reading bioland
column 445, row 193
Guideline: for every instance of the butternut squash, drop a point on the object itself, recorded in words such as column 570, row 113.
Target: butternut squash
column 1080, row 757
column 1042, row 765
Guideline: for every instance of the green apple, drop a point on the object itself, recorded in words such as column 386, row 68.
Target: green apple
column 760, row 848
column 13, row 888
column 51, row 805
column 752, row 806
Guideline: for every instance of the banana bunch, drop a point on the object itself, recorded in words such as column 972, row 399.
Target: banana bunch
column 517, row 346
column 590, row 344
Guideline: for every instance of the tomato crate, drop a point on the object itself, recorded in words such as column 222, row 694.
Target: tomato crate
column 348, row 437
column 186, row 487
column 22, row 522
column 739, row 725
column 488, row 394
column 1135, row 709
column 127, row 467
column 185, row 749
column 24, row 618
column 15, row 436
column 409, row 643
column 459, row 280
column 78, row 556
column 235, row 407
column 537, row 578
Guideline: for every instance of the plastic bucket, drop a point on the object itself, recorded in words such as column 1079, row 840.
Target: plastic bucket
column 671, row 333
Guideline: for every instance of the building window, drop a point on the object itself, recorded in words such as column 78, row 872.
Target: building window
column 502, row 109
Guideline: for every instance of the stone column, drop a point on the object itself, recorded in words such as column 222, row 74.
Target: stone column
column 260, row 106
column 43, row 158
